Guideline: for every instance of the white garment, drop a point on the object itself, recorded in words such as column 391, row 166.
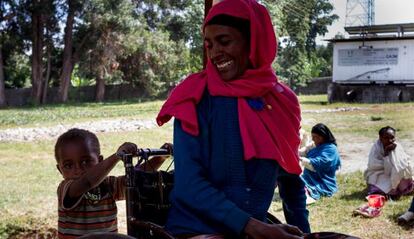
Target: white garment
column 386, row 172
column 307, row 164
column 303, row 151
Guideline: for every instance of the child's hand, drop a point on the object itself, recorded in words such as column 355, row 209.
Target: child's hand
column 169, row 147
column 127, row 148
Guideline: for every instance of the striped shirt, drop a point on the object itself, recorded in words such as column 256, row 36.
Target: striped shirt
column 95, row 211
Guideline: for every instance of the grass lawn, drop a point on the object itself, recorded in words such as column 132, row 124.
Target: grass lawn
column 29, row 177
column 51, row 114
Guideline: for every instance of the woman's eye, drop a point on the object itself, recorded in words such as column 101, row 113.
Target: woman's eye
column 225, row 42
column 67, row 166
column 84, row 162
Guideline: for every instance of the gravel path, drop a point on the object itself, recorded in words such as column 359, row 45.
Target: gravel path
column 39, row 133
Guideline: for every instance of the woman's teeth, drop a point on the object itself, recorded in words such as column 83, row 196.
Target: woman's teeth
column 223, row 65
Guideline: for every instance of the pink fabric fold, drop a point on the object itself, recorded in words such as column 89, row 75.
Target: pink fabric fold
column 270, row 133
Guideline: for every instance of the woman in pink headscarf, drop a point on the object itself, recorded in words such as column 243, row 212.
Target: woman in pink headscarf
column 236, row 134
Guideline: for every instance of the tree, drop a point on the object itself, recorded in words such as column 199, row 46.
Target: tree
column 13, row 35
column 299, row 23
column 2, row 90
column 320, row 19
column 73, row 9
column 38, row 19
column 181, row 19
column 109, row 22
column 154, row 63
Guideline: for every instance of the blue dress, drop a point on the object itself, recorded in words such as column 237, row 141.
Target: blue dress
column 216, row 191
column 325, row 160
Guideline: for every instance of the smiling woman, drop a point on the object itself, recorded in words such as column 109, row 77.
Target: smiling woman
column 230, row 150
column 227, row 43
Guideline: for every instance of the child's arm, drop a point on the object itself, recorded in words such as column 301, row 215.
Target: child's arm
column 155, row 163
column 95, row 175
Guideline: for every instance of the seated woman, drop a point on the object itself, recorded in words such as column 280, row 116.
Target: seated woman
column 236, row 134
column 320, row 164
column 389, row 171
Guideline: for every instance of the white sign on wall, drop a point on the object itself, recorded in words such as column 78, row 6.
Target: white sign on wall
column 368, row 56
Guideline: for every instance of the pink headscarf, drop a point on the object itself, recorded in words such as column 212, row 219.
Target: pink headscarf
column 270, row 133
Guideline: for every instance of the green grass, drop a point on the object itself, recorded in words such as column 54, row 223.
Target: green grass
column 29, row 177
column 365, row 121
column 336, row 213
column 52, row 114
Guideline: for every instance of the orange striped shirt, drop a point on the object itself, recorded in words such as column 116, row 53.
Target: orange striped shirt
column 95, row 211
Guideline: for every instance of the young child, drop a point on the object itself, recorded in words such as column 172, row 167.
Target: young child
column 86, row 196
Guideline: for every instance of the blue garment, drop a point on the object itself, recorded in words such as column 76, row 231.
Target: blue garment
column 411, row 209
column 216, row 190
column 325, row 160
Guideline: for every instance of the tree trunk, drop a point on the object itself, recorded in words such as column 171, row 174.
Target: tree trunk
column 2, row 90
column 100, row 86
column 68, row 62
column 47, row 77
column 37, row 65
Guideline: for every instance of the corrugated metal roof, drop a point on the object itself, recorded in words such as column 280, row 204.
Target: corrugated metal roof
column 400, row 29
column 373, row 38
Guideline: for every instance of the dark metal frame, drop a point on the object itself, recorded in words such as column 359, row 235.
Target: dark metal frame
column 136, row 227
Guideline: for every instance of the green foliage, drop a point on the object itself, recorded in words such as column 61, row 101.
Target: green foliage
column 17, row 71
column 299, row 22
column 155, row 63
column 77, row 80
column 108, row 24
column 153, row 43
column 182, row 20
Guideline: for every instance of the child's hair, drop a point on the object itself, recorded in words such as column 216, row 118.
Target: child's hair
column 383, row 130
column 77, row 134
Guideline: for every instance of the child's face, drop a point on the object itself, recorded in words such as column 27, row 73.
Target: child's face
column 75, row 158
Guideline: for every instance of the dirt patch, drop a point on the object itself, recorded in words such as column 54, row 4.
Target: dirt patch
column 354, row 151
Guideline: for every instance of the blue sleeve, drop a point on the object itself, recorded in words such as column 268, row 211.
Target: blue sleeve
column 192, row 187
column 324, row 159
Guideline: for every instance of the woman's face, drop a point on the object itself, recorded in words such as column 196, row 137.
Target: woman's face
column 387, row 138
column 317, row 139
column 228, row 50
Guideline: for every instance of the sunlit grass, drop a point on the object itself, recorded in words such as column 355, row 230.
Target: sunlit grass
column 29, row 177
column 53, row 114
column 336, row 213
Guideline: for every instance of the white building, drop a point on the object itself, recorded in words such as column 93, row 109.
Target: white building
column 379, row 55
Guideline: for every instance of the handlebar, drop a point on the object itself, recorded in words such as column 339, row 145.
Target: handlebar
column 147, row 152
column 153, row 152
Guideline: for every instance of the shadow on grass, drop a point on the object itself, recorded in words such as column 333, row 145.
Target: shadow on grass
column 356, row 195
column 408, row 226
column 308, row 102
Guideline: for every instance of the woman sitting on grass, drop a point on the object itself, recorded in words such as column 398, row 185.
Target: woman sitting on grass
column 320, row 164
column 389, row 172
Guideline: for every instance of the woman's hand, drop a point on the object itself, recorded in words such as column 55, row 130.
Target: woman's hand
column 389, row 148
column 256, row 229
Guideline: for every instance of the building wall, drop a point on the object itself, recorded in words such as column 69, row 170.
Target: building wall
column 315, row 86
column 380, row 62
column 21, row 97
column 370, row 93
